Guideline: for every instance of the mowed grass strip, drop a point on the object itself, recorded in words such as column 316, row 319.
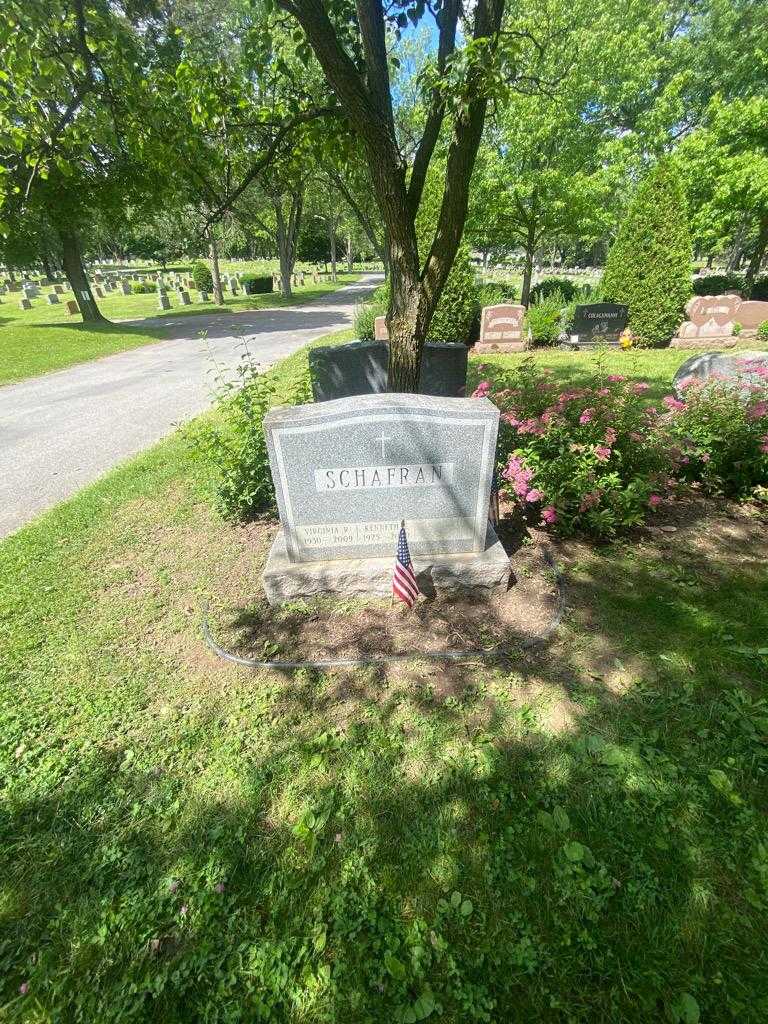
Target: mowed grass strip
column 578, row 835
column 46, row 337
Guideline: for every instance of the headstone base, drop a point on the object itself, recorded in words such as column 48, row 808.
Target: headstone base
column 500, row 346
column 480, row 573
column 704, row 344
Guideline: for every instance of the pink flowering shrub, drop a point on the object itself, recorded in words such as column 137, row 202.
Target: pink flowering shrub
column 721, row 427
column 592, row 458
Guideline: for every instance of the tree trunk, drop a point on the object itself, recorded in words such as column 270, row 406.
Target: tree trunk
column 757, row 255
column 213, row 253
column 404, row 323
column 332, row 241
column 287, row 236
column 350, row 254
column 738, row 246
column 530, row 248
column 47, row 269
column 709, row 261
column 73, row 268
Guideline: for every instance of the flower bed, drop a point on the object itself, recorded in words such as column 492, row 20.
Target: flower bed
column 598, row 458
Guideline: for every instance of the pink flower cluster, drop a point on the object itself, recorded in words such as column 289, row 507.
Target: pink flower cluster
column 519, row 476
column 482, row 389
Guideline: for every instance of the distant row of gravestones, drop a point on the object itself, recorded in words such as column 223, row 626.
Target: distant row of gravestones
column 602, row 323
column 104, row 284
column 501, row 327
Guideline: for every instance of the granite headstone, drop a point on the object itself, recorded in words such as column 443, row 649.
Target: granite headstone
column 501, row 328
column 347, row 472
column 599, row 323
column 360, row 368
column 749, row 366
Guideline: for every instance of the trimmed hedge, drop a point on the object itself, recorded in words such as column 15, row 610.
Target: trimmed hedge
column 142, row 288
column 649, row 264
column 256, row 284
column 567, row 289
column 202, row 277
column 716, row 284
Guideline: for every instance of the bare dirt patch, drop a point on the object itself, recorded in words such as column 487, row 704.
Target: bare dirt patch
column 349, row 628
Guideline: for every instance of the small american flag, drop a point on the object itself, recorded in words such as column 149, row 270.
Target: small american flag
column 404, row 585
column 494, row 513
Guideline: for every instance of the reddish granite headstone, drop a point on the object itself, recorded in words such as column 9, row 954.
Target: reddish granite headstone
column 715, row 309
column 502, row 323
column 751, row 314
column 380, row 331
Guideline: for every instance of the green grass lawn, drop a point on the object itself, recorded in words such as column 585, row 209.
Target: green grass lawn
column 47, row 338
column 575, row 835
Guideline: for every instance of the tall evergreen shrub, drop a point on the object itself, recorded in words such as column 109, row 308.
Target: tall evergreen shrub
column 649, row 264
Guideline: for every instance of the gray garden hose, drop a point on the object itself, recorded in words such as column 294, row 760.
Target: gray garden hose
column 496, row 652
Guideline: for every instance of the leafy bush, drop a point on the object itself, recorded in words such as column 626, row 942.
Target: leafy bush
column 591, row 458
column 458, row 310
column 760, row 290
column 366, row 312
column 762, row 330
column 723, row 432
column 717, row 284
column 495, row 293
column 142, row 288
column 234, row 445
column 550, row 285
column 202, row 277
column 256, row 284
column 649, row 264
column 545, row 318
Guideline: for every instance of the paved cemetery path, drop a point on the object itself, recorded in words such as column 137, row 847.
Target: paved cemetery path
column 63, row 430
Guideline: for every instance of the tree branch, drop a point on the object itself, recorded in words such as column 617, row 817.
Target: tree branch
column 449, row 16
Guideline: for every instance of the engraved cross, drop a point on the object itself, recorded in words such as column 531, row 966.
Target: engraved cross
column 384, row 438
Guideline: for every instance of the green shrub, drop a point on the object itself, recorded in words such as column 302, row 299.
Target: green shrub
column 649, row 264
column 366, row 312
column 256, row 284
column 234, row 445
column 590, row 458
column 545, row 318
column 723, row 434
column 202, row 277
column 142, row 288
column 458, row 310
column 550, row 285
column 496, row 293
column 717, row 284
column 760, row 290
column 762, row 330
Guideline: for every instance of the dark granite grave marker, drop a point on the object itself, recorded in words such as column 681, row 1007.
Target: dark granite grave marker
column 599, row 323
column 360, row 368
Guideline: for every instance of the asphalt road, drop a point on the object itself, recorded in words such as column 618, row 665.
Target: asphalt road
column 63, row 430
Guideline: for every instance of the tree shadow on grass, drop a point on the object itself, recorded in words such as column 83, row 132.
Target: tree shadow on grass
column 385, row 845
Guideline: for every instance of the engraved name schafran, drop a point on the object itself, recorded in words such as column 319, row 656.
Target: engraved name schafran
column 363, row 478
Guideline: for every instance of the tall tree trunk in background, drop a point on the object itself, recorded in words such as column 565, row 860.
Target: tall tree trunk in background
column 709, row 261
column 73, row 268
column 287, row 236
column 757, row 255
column 530, row 250
column 47, row 269
column 738, row 247
column 213, row 255
column 332, row 220
column 350, row 254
